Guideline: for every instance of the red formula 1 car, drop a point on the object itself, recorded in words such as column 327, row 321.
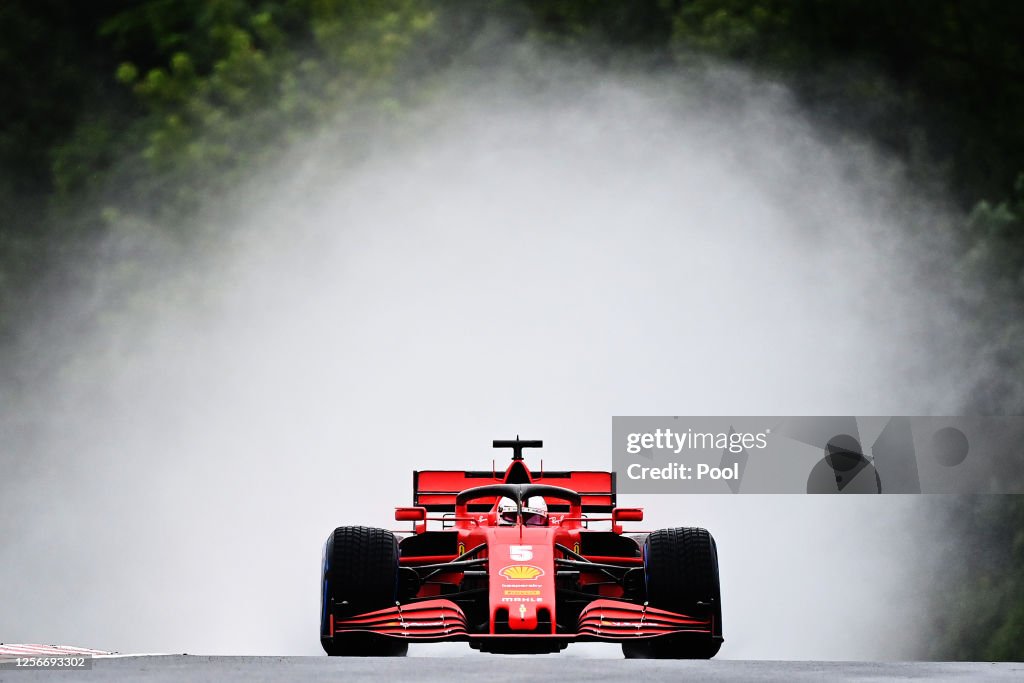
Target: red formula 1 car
column 515, row 566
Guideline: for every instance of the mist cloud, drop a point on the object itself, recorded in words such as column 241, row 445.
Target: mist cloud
column 522, row 256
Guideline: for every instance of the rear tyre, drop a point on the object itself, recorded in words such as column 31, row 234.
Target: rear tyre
column 681, row 571
column 360, row 574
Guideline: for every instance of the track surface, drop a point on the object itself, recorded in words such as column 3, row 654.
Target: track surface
column 506, row 669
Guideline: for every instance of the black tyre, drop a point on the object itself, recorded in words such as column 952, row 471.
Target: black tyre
column 681, row 571
column 360, row 574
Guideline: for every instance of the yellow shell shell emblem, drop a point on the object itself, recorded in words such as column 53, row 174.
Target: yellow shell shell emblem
column 521, row 572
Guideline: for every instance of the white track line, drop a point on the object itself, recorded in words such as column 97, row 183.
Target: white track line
column 36, row 650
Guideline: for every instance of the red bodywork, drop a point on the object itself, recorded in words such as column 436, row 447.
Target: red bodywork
column 520, row 588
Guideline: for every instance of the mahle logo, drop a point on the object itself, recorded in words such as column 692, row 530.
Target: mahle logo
column 521, row 572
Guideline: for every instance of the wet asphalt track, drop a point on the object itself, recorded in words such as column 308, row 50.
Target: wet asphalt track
column 523, row 669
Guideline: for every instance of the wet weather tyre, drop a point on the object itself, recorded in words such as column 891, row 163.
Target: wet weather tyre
column 681, row 572
column 360, row 574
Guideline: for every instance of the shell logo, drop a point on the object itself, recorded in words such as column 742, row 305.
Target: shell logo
column 521, row 572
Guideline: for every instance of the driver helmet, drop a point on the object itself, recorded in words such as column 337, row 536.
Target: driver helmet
column 535, row 512
column 507, row 511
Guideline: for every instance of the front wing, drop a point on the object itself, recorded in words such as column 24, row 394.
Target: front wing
column 601, row 620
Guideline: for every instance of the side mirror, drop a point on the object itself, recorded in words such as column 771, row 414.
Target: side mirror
column 627, row 515
column 410, row 514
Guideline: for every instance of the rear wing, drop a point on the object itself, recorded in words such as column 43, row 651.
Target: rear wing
column 435, row 490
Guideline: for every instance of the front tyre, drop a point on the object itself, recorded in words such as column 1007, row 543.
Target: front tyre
column 360, row 574
column 681, row 571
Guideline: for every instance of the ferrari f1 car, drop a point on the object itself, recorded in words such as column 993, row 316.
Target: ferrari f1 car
column 515, row 565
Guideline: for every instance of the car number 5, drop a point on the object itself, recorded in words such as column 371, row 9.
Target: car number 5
column 521, row 553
